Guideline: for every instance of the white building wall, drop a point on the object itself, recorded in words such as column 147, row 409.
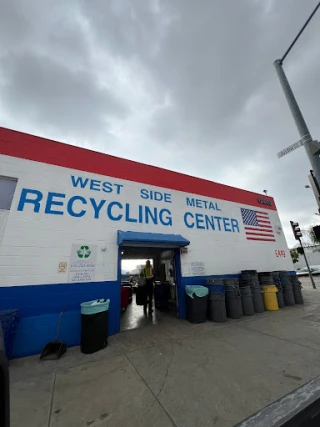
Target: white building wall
column 33, row 244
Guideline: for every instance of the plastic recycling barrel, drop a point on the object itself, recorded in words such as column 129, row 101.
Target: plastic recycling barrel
column 233, row 299
column 197, row 303
column 280, row 297
column 270, row 297
column 94, row 325
column 296, row 287
column 257, row 299
column 215, row 285
column 217, row 307
column 246, row 301
column 286, row 288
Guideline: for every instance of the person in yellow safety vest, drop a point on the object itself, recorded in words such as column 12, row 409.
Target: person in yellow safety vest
column 147, row 272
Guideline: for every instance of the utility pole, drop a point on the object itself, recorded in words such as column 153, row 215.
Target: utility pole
column 297, row 235
column 308, row 266
column 311, row 147
column 300, row 122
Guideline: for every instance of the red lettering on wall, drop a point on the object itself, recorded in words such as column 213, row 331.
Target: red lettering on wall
column 280, row 253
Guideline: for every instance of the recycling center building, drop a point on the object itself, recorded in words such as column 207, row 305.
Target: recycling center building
column 67, row 215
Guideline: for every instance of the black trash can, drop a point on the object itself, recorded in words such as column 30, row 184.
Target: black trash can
column 197, row 303
column 161, row 295
column 217, row 307
column 94, row 325
column 277, row 282
column 4, row 385
column 286, row 288
column 246, row 300
column 233, row 299
column 141, row 295
column 296, row 287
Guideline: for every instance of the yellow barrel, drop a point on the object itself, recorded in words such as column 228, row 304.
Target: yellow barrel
column 270, row 297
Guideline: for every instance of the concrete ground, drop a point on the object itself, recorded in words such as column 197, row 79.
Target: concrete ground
column 173, row 373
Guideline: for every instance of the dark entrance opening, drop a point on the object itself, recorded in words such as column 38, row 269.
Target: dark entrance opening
column 163, row 262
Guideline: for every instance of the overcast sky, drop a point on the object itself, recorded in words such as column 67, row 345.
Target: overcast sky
column 181, row 84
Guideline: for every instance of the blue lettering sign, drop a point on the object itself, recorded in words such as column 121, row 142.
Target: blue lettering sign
column 186, row 219
column 110, row 214
column 70, row 206
column 190, row 202
column 128, row 219
column 107, row 187
column 95, row 185
column 202, row 204
column 153, row 215
column 35, row 201
column 235, row 225
column 155, row 195
column 51, row 202
column 200, row 221
column 165, row 217
column 78, row 207
column 97, row 208
column 118, row 187
column 226, row 223
column 79, row 181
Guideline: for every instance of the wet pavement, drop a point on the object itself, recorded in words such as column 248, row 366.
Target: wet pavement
column 172, row 373
column 134, row 316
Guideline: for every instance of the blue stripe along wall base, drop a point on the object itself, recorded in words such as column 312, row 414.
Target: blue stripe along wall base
column 40, row 306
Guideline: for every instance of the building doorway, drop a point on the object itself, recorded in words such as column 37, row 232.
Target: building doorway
column 167, row 277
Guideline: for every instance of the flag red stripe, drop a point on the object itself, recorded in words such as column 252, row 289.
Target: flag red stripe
column 260, row 234
column 262, row 228
column 263, row 222
column 261, row 239
column 262, row 213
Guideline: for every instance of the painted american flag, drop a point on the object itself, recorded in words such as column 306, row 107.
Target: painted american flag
column 257, row 225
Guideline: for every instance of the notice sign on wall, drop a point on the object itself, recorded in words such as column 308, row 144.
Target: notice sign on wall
column 82, row 263
column 197, row 268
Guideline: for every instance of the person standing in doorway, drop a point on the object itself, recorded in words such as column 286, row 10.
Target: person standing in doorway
column 148, row 274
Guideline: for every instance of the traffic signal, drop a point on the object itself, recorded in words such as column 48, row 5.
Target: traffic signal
column 296, row 230
column 316, row 231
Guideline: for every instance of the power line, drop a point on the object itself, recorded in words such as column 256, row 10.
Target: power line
column 299, row 33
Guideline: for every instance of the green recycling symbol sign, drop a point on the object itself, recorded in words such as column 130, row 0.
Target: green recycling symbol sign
column 84, row 252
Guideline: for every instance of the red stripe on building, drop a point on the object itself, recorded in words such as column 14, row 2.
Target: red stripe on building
column 262, row 228
column 24, row 146
column 261, row 239
column 260, row 234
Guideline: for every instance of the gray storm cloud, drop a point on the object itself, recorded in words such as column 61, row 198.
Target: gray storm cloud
column 184, row 85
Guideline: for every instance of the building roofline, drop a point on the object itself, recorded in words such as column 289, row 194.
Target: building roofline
column 34, row 148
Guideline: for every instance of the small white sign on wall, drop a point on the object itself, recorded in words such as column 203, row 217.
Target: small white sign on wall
column 197, row 269
column 82, row 263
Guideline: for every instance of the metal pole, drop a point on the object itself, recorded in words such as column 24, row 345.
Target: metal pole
column 308, row 267
column 299, row 120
